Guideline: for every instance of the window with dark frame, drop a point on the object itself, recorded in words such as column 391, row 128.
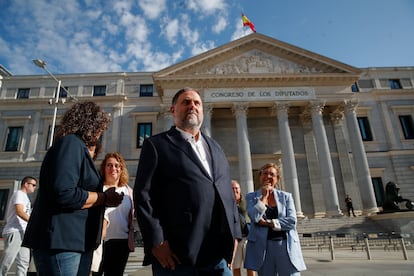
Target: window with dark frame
column 63, row 93
column 378, row 190
column 23, row 93
column 144, row 131
column 365, row 128
column 99, row 90
column 14, row 138
column 407, row 126
column 4, row 194
column 354, row 87
column 395, row 84
column 146, row 90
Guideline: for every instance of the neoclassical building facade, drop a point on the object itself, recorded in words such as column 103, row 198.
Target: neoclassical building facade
column 334, row 129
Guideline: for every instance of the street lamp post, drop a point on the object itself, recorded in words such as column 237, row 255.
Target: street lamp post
column 42, row 64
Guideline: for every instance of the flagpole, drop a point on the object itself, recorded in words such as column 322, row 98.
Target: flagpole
column 244, row 27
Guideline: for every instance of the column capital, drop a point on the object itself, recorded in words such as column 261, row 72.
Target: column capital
column 306, row 115
column 316, row 107
column 240, row 109
column 279, row 109
column 337, row 117
column 306, row 118
column 350, row 106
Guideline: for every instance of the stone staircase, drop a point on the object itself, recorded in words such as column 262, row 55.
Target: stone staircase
column 341, row 225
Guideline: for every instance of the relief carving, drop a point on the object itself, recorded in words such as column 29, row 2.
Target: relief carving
column 256, row 62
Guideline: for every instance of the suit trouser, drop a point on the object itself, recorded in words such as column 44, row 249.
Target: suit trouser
column 277, row 261
column 14, row 251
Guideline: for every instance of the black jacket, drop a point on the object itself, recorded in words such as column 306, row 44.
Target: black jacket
column 175, row 199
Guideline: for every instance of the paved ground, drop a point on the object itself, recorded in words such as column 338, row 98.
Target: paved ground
column 346, row 262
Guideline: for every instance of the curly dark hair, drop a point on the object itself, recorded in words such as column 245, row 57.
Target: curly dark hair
column 85, row 119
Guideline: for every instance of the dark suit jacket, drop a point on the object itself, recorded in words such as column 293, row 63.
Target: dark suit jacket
column 174, row 197
column 57, row 220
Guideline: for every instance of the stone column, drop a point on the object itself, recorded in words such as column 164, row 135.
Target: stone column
column 364, row 182
column 326, row 167
column 245, row 162
column 318, row 200
column 288, row 156
column 208, row 112
column 342, row 145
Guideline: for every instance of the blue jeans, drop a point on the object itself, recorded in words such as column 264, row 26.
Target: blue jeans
column 218, row 269
column 62, row 263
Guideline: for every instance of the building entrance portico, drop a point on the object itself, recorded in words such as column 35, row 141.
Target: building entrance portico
column 263, row 134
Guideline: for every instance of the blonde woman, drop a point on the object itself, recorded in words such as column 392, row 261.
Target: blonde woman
column 117, row 220
column 273, row 246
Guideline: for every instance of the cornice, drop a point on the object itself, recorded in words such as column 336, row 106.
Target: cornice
column 45, row 100
column 203, row 81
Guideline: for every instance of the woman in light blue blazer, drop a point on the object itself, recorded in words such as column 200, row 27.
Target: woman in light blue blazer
column 273, row 246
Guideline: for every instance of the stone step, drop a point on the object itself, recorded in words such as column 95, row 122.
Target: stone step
column 347, row 225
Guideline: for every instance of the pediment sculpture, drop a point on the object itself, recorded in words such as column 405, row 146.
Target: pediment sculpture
column 257, row 62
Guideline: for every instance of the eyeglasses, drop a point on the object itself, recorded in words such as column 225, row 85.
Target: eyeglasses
column 110, row 166
column 271, row 174
column 33, row 184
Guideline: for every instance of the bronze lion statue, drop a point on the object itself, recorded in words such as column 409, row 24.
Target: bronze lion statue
column 393, row 198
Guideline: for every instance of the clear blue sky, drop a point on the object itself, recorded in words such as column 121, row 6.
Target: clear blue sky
column 80, row 36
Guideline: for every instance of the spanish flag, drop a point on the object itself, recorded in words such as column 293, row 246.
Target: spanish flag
column 247, row 22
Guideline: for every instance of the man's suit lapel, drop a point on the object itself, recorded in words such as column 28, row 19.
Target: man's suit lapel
column 176, row 138
column 212, row 151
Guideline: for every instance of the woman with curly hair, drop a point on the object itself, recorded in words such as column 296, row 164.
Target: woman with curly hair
column 66, row 222
column 117, row 220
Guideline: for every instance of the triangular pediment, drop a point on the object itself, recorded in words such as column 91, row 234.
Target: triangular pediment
column 254, row 57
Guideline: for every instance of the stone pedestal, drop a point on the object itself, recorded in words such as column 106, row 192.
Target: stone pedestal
column 399, row 222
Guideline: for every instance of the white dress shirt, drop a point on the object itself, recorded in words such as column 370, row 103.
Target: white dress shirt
column 200, row 147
